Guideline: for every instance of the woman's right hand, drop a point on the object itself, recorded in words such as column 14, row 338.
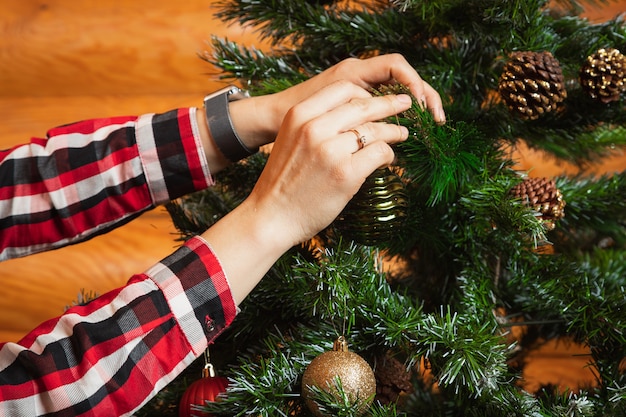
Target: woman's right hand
column 316, row 165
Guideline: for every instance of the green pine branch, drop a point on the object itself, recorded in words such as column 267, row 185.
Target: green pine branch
column 595, row 215
column 262, row 73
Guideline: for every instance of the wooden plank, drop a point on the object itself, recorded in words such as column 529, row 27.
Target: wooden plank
column 108, row 47
column 65, row 61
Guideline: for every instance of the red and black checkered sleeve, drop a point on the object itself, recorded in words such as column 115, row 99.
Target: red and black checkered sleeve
column 89, row 177
column 107, row 358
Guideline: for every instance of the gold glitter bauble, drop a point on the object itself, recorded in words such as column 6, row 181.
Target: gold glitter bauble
column 357, row 378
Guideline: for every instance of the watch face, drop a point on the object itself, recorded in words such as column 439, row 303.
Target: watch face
column 237, row 94
column 231, row 93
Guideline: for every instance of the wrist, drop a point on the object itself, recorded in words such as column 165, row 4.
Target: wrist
column 247, row 244
column 220, row 124
column 256, row 119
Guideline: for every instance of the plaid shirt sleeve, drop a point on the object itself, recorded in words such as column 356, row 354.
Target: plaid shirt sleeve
column 109, row 357
column 89, row 177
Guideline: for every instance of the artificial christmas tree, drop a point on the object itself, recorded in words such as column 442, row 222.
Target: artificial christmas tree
column 444, row 292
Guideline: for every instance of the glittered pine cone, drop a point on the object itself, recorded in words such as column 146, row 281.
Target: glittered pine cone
column 532, row 84
column 392, row 379
column 603, row 75
column 543, row 196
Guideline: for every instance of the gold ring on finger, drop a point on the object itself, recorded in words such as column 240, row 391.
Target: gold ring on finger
column 360, row 138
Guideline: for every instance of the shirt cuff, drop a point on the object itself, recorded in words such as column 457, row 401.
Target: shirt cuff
column 172, row 155
column 197, row 291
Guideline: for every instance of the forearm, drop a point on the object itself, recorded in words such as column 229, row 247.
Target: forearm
column 89, row 177
column 258, row 119
column 248, row 241
column 138, row 338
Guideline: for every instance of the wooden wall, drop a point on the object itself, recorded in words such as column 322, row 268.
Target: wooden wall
column 66, row 60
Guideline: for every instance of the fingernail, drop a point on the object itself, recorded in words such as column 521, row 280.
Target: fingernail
column 404, row 99
column 441, row 116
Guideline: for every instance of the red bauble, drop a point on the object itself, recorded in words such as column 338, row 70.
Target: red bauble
column 199, row 392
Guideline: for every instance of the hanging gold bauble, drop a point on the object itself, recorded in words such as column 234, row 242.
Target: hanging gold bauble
column 356, row 376
column 377, row 211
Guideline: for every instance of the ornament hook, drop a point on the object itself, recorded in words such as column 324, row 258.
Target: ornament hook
column 208, row 371
column 340, row 345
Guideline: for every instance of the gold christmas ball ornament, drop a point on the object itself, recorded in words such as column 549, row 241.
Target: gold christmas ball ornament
column 603, row 75
column 542, row 195
column 356, row 376
column 377, row 211
column 532, row 84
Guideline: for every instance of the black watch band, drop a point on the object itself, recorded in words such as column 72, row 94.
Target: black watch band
column 221, row 126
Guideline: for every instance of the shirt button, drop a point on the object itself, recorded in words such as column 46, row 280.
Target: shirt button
column 209, row 324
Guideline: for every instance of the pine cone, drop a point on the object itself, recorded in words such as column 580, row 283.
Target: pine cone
column 603, row 75
column 532, row 84
column 392, row 379
column 542, row 195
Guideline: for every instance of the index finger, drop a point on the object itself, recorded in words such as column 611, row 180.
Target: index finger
column 394, row 67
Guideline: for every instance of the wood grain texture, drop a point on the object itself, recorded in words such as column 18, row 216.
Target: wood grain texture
column 65, row 48
column 62, row 61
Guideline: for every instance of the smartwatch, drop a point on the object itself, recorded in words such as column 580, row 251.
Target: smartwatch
column 221, row 125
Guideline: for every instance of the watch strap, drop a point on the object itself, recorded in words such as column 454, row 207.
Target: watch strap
column 222, row 129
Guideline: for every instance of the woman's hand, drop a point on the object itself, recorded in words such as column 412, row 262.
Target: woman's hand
column 317, row 164
column 257, row 120
column 370, row 73
column 318, row 161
